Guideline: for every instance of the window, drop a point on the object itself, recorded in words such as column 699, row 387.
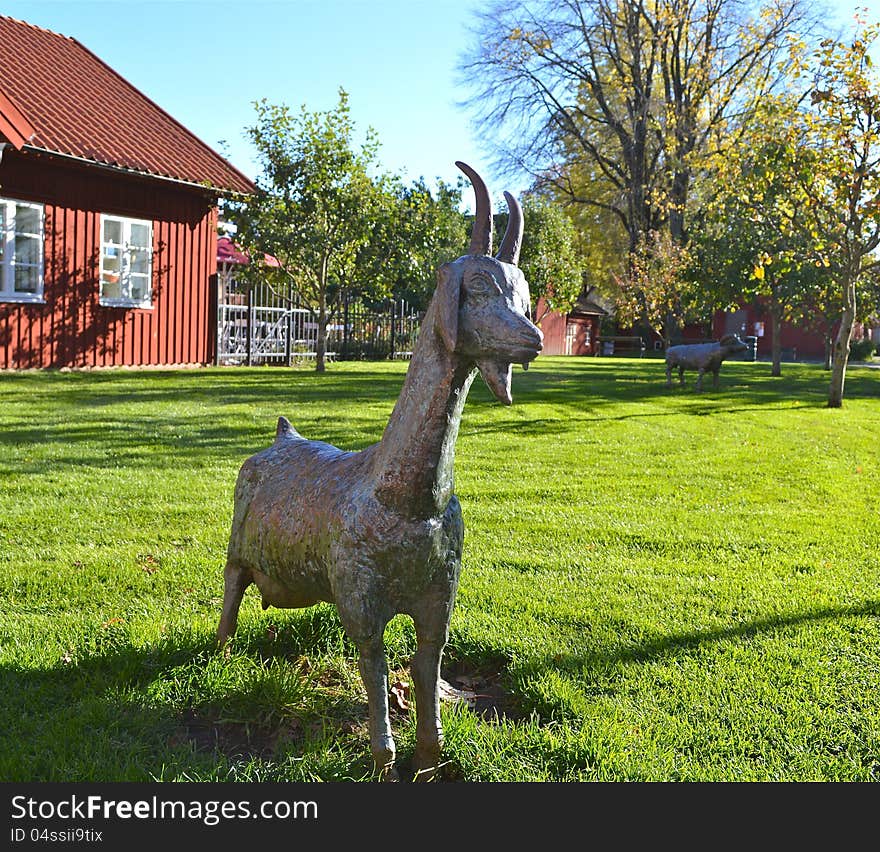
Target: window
column 126, row 262
column 21, row 251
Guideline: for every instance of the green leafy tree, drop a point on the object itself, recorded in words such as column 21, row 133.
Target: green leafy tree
column 424, row 230
column 821, row 311
column 314, row 207
column 550, row 259
column 839, row 138
column 764, row 243
column 368, row 276
column 659, row 289
column 412, row 232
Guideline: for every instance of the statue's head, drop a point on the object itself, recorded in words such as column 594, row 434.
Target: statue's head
column 733, row 344
column 482, row 302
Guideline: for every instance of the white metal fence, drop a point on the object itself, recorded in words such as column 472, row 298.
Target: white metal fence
column 257, row 325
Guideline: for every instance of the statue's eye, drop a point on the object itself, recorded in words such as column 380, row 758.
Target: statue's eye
column 482, row 283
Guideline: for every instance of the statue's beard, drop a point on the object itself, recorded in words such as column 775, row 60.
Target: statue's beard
column 497, row 375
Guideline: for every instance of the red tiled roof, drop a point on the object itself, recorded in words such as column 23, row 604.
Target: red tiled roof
column 57, row 96
column 13, row 125
column 229, row 252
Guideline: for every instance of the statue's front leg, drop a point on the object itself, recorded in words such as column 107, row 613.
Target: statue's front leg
column 432, row 630
column 367, row 631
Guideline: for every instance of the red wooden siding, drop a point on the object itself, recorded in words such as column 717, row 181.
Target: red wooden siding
column 553, row 328
column 557, row 327
column 800, row 341
column 71, row 329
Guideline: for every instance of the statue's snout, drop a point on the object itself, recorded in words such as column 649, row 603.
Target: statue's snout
column 530, row 339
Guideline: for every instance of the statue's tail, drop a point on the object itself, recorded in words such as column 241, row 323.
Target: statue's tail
column 284, row 431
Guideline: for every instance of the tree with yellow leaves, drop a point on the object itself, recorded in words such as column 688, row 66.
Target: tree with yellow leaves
column 839, row 148
column 760, row 237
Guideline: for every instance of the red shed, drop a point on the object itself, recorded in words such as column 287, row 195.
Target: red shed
column 108, row 209
column 574, row 333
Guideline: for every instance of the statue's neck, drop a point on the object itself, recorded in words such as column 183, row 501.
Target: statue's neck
column 414, row 462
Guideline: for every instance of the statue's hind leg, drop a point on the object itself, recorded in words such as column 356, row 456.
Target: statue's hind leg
column 236, row 580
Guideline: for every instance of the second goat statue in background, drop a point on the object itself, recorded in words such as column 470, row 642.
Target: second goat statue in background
column 379, row 532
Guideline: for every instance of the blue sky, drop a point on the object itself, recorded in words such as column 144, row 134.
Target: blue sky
column 206, row 62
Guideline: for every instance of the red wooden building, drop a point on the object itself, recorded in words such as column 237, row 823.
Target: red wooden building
column 108, row 210
column 797, row 342
column 574, row 333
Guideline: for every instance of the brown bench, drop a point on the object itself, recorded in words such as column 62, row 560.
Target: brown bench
column 617, row 345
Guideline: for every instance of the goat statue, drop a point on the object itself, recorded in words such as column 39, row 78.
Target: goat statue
column 702, row 357
column 379, row 532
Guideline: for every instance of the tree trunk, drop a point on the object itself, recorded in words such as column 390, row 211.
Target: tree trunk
column 826, row 364
column 670, row 328
column 321, row 341
column 776, row 331
column 841, row 344
column 678, row 196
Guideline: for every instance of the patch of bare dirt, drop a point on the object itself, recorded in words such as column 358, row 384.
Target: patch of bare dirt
column 235, row 739
column 482, row 691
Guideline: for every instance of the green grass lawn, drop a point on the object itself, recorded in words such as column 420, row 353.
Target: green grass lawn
column 656, row 584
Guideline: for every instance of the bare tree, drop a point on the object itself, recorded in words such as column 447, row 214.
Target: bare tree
column 612, row 102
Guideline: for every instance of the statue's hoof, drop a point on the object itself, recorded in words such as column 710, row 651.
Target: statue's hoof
column 426, row 765
column 383, row 759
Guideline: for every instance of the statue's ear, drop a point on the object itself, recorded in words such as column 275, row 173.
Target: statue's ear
column 446, row 301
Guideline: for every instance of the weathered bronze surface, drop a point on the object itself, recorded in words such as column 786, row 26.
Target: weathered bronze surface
column 379, row 532
column 702, row 357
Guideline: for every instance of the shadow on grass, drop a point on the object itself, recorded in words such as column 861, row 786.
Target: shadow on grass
column 598, row 666
column 637, row 380
column 576, row 418
column 225, row 386
column 131, row 713
column 586, row 390
column 113, row 418
column 183, row 708
column 682, row 643
column 188, row 442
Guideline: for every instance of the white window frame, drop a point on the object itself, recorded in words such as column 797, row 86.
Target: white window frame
column 8, row 262
column 110, row 250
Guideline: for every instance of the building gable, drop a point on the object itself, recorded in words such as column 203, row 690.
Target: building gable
column 57, row 97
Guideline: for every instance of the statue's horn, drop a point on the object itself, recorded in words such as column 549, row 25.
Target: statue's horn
column 512, row 242
column 481, row 236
